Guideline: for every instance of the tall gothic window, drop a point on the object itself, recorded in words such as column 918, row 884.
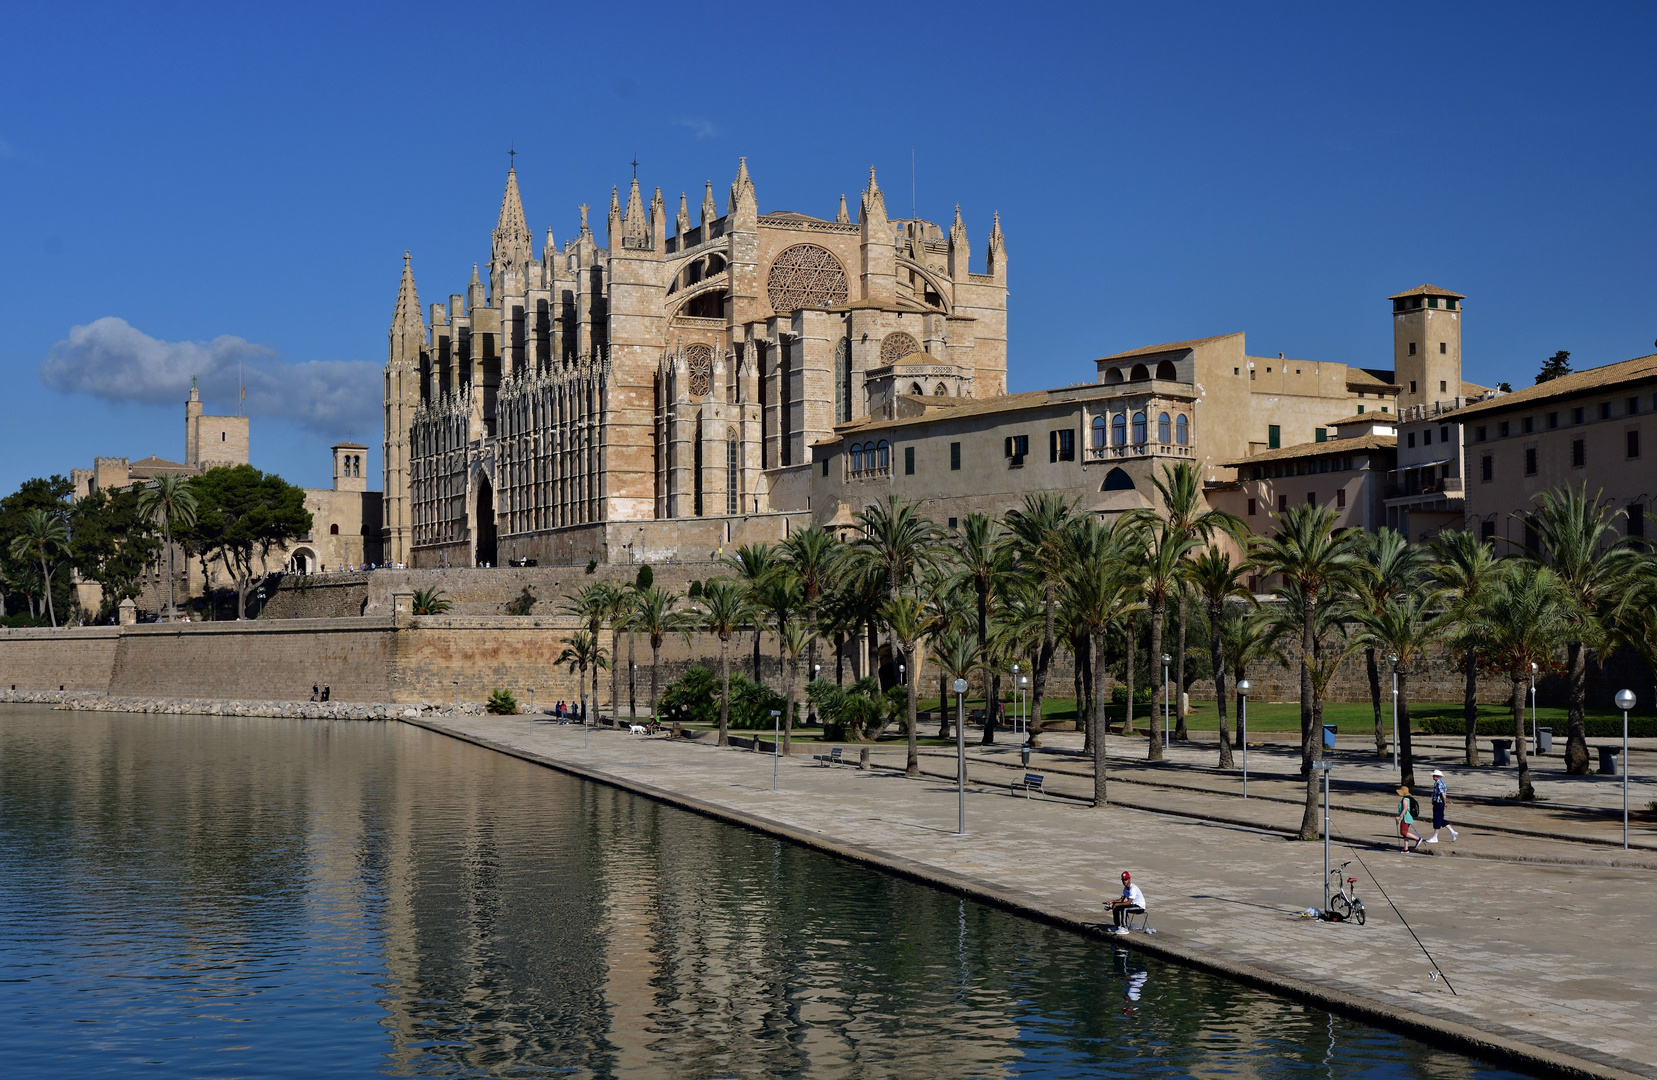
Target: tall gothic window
column 1119, row 430
column 843, row 381
column 1164, row 431
column 1140, row 433
column 1182, row 430
column 731, row 472
column 1098, row 433
column 857, row 457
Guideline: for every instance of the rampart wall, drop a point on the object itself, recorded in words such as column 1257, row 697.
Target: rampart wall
column 79, row 659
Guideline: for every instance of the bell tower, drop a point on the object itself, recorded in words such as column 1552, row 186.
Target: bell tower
column 1426, row 346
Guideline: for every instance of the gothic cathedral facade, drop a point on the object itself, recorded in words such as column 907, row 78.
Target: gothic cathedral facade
column 661, row 395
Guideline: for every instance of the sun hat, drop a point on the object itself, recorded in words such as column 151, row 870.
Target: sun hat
column 1437, row 773
column 1403, row 791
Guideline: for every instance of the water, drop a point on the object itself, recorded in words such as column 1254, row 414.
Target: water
column 185, row 896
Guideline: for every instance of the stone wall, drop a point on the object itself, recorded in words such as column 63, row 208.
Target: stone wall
column 74, row 659
column 274, row 660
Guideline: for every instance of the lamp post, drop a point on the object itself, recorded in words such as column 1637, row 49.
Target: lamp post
column 776, row 744
column 816, row 673
column 1625, row 701
column 1323, row 766
column 1533, row 728
column 1243, row 688
column 902, row 680
column 1392, row 658
column 960, row 757
column 1015, row 699
column 1024, row 690
column 1166, row 660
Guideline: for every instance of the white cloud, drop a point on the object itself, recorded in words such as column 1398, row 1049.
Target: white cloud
column 113, row 360
column 702, row 129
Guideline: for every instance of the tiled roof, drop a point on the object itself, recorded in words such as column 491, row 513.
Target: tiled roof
column 973, row 407
column 1360, row 377
column 1426, row 290
column 1173, row 346
column 1319, row 449
column 1388, row 418
column 1577, row 382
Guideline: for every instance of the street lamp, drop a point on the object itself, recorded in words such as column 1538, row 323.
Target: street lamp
column 960, row 756
column 1024, row 688
column 1243, row 688
column 901, row 680
column 1533, row 728
column 1392, row 658
column 816, row 673
column 1625, row 701
column 776, row 744
column 1166, row 660
column 1016, row 698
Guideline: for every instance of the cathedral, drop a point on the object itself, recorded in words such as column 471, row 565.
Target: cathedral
column 660, row 396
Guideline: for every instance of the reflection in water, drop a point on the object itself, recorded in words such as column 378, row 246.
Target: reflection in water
column 198, row 896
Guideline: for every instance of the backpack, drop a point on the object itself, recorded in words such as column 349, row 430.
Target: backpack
column 1415, row 808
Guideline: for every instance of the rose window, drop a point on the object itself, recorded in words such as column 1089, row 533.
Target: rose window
column 806, row 275
column 699, row 358
column 895, row 347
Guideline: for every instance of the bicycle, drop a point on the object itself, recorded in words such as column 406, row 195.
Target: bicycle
column 1344, row 905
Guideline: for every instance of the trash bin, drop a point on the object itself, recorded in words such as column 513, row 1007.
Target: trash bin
column 1329, row 736
column 1024, row 754
column 1499, row 749
column 1544, row 740
column 1608, row 756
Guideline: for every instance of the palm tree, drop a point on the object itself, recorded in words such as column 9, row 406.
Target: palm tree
column 725, row 610
column 793, row 635
column 812, row 554
column 1095, row 596
column 1466, row 567
column 1405, row 627
column 1388, row 566
column 754, row 564
column 1159, row 571
column 1526, row 611
column 592, row 605
column 898, row 544
column 958, row 655
column 582, row 651
column 910, row 623
column 656, row 614
column 169, row 500
column 1217, row 583
column 1311, row 558
column 43, row 535
column 430, row 602
column 617, row 603
column 1247, row 638
column 1036, row 533
column 985, row 564
column 1182, row 506
column 1595, row 568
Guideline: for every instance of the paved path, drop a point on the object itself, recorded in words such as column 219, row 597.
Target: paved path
column 1551, row 964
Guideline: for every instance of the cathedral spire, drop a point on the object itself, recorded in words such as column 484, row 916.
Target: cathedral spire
column 612, row 231
column 995, row 262
column 512, row 246
column 407, row 315
column 742, row 189
column 586, row 230
column 634, row 227
column 873, row 203
column 512, row 208
column 681, row 224
column 841, row 216
column 709, row 211
column 960, row 249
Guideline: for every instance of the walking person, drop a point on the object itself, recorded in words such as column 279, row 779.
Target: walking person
column 1441, row 795
column 1406, row 822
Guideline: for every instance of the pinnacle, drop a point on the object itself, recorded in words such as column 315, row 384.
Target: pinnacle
column 511, row 220
column 407, row 313
column 841, row 216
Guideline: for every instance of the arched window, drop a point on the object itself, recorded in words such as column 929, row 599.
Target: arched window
column 1113, row 375
column 885, row 453
column 1139, row 433
column 857, row 457
column 1119, row 430
column 1164, row 431
column 941, row 391
column 843, row 382
column 1165, row 371
column 1117, row 480
column 1182, row 430
column 731, row 473
column 1140, row 371
column 1098, row 433
column 333, row 530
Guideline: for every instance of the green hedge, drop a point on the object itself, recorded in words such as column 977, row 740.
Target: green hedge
column 1599, row 727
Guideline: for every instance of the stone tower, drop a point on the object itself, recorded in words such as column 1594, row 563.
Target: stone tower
column 1426, row 346
column 402, row 397
column 348, row 466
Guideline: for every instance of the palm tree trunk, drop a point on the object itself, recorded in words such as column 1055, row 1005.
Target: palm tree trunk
column 811, row 666
column 1133, row 646
column 1096, row 719
column 839, row 658
column 1406, row 761
column 757, row 633
column 1526, row 791
column 1311, row 747
column 1180, row 734
column 912, row 766
column 46, row 579
column 655, row 665
column 790, row 680
column 1044, row 659
column 632, row 679
column 1215, row 658
column 724, row 690
column 1373, row 667
column 1158, row 694
column 1079, row 685
column 1576, row 744
column 615, row 672
column 943, row 703
column 992, row 702
column 167, row 532
column 1470, row 708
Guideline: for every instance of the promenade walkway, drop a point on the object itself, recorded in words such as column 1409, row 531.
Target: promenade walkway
column 1552, row 964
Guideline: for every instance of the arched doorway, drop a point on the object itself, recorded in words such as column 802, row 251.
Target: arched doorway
column 302, row 561
column 483, row 529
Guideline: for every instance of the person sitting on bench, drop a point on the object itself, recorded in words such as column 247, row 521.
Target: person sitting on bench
column 1129, row 904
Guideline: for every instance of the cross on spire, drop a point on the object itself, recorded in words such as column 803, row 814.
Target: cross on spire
column 512, row 155
column 635, row 164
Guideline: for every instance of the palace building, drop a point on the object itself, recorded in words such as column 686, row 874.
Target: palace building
column 663, row 392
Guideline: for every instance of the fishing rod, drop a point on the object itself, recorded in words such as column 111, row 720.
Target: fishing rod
column 1437, row 971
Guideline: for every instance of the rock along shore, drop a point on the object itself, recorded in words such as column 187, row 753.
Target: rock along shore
column 84, row 701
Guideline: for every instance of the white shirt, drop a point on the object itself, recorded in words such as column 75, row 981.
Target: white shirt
column 1134, row 897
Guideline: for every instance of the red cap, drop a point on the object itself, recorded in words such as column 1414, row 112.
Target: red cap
column 1126, row 875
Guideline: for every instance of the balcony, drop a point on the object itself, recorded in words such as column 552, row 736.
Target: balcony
column 1138, row 450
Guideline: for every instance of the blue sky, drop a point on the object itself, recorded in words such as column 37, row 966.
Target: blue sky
column 246, row 178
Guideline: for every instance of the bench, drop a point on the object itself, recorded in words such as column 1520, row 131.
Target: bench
column 837, row 756
column 1031, row 782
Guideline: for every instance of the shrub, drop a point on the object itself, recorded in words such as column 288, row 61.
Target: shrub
column 502, row 703
column 1501, row 727
column 694, row 698
column 430, row 602
column 592, row 564
column 1141, row 694
column 21, row 621
column 856, row 712
column 523, row 604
